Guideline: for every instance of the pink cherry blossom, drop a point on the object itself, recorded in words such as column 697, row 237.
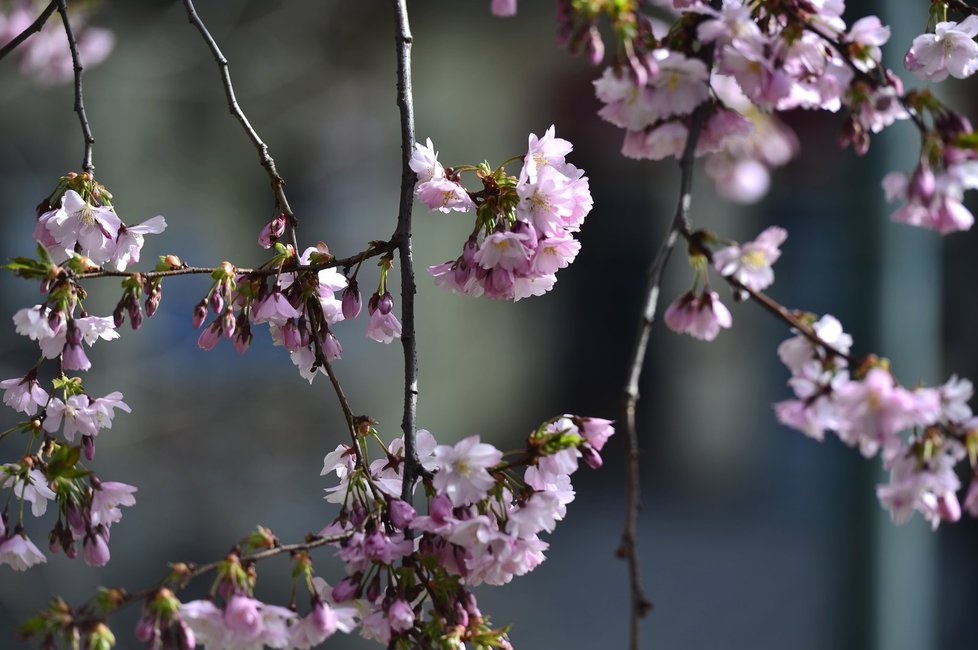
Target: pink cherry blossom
column 24, row 394
column 750, row 263
column 130, row 241
column 463, row 473
column 19, row 553
column 444, row 195
column 951, row 49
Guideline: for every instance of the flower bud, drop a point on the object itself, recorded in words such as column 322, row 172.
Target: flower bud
column 153, row 301
column 323, row 618
column 386, row 303
column 184, row 636
column 55, row 320
column 400, row 513
column 209, row 336
column 135, row 316
column 200, row 313
column 88, row 447
column 373, row 589
column 95, row 551
column 347, row 588
column 118, row 316
column 351, row 301
column 591, row 457
column 243, row 337
column 216, row 301
column 228, row 323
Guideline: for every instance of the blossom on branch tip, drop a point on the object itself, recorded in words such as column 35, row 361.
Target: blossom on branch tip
column 750, row 263
column 701, row 317
column 24, row 394
column 19, row 553
column 950, row 50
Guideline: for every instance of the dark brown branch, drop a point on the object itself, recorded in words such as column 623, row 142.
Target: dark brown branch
column 79, row 95
column 32, row 29
column 402, row 235
column 782, row 312
column 628, row 549
column 278, row 183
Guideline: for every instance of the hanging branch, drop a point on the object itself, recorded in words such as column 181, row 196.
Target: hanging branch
column 79, row 96
column 278, row 183
column 628, row 549
column 402, row 235
column 33, row 28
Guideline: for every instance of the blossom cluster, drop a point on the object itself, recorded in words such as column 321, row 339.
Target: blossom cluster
column 81, row 220
column 87, row 509
column 723, row 71
column 746, row 266
column 482, row 525
column 45, row 56
column 524, row 230
column 866, row 408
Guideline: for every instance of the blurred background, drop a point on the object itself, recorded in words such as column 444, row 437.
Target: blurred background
column 752, row 536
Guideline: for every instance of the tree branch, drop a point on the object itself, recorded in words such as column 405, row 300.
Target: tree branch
column 402, row 235
column 32, row 29
column 278, row 183
column 628, row 550
column 79, row 95
column 377, row 248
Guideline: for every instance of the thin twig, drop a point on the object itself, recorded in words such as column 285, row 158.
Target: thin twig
column 278, row 183
column 628, row 549
column 33, row 28
column 79, row 95
column 376, row 248
column 791, row 319
column 203, row 569
column 323, row 361
column 402, row 235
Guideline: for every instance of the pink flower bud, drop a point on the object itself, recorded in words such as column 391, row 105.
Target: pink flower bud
column 948, row 507
column 74, row 358
column 347, row 588
column 210, row 336
column 217, row 302
column 351, row 301
column 96, row 551
column 332, row 348
column 200, row 313
column 400, row 615
column 243, row 615
column 88, row 447
column 323, row 618
column 243, row 338
column 400, row 513
column 591, row 457
column 228, row 323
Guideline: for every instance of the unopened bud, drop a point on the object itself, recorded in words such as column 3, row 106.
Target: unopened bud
column 200, row 313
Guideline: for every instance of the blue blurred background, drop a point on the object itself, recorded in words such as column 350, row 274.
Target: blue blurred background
column 752, row 536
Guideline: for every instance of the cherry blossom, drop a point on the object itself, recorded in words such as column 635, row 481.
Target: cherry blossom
column 950, row 50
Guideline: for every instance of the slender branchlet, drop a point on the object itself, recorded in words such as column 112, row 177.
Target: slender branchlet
column 87, row 164
column 31, row 29
column 402, row 235
column 278, row 183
